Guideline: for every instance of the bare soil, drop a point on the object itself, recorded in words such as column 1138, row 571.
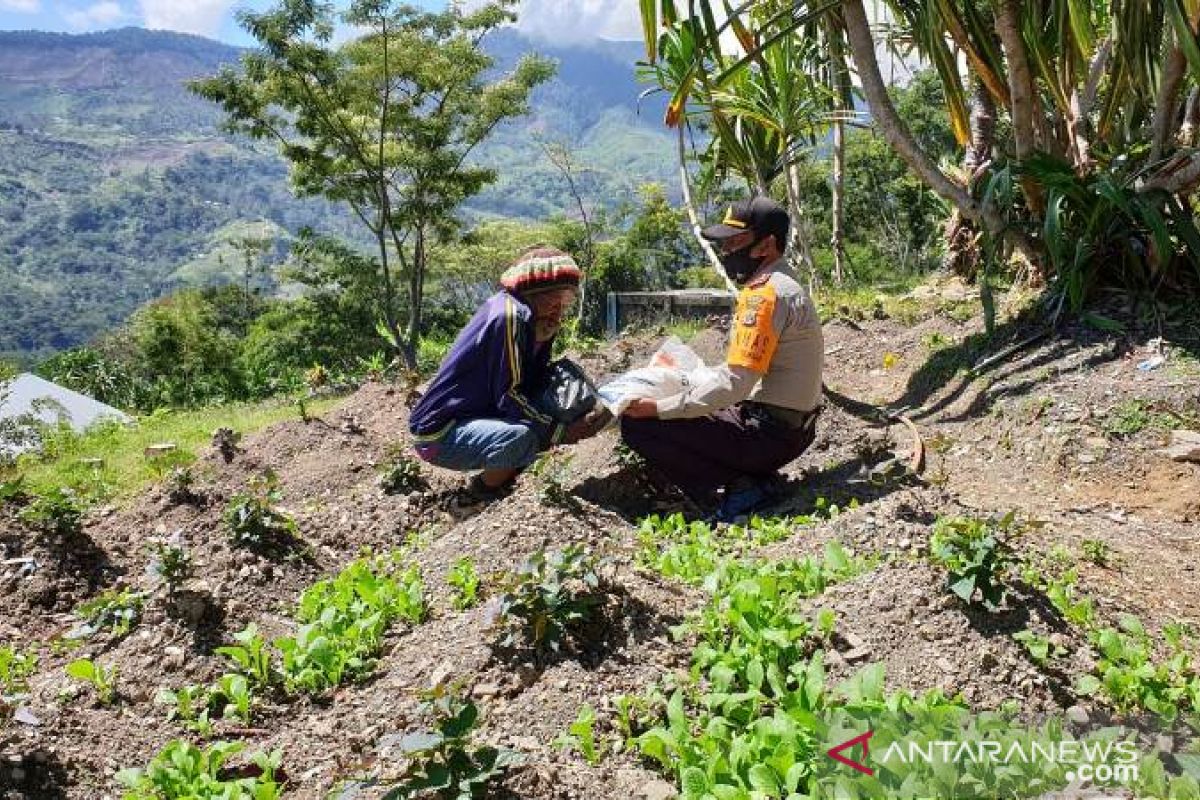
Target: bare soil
column 1034, row 435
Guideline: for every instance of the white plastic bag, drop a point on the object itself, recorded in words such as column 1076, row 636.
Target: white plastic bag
column 673, row 368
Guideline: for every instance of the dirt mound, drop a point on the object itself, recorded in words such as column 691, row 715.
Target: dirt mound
column 1054, row 434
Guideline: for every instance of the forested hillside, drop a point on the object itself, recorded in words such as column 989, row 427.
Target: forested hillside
column 116, row 185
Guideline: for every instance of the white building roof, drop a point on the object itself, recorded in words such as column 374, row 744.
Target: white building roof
column 29, row 394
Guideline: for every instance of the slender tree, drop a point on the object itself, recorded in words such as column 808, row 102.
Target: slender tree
column 385, row 123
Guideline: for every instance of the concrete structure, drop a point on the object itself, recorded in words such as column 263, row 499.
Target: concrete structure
column 650, row 308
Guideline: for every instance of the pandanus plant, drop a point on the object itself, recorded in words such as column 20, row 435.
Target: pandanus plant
column 1109, row 89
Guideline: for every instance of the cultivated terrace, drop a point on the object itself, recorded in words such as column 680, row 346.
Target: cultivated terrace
column 295, row 615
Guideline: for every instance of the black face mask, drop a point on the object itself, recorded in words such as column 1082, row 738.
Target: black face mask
column 740, row 265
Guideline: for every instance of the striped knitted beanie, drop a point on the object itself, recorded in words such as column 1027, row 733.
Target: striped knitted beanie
column 540, row 269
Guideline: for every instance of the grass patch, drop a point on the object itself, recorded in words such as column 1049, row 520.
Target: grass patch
column 685, row 329
column 1136, row 415
column 108, row 461
column 864, row 302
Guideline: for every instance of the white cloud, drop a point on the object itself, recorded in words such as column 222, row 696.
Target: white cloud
column 569, row 21
column 96, row 15
column 23, row 6
column 201, row 17
column 580, row 20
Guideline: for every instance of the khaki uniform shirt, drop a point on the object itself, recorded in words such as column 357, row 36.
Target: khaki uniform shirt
column 775, row 356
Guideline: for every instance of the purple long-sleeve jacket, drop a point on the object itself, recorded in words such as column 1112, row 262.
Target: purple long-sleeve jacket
column 491, row 371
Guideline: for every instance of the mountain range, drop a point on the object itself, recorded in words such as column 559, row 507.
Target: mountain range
column 117, row 186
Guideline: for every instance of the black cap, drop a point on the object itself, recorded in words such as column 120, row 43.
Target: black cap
column 759, row 214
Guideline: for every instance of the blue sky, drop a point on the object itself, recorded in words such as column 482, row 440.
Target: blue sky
column 563, row 21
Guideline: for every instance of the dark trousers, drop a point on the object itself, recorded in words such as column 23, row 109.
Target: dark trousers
column 700, row 455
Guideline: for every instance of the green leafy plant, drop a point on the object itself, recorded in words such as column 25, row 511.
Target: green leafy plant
column 626, row 457
column 581, row 735
column 1128, row 418
column 1097, row 551
column 233, row 691
column 102, row 679
column 551, row 471
column 56, row 511
column 465, row 581
column 171, row 562
column 15, row 669
column 181, row 483
column 117, row 610
column 1040, row 648
column 444, row 761
column 188, row 705
column 253, row 518
column 974, row 557
column 12, row 490
column 251, row 656
column 401, row 473
column 551, row 591
column 692, row 551
column 1061, row 591
column 343, row 621
column 182, row 771
column 1129, row 677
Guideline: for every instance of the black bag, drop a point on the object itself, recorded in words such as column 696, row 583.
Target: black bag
column 567, row 394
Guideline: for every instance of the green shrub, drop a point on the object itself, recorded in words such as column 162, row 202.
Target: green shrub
column 182, row 771
column 444, row 761
column 253, row 518
column 548, row 594
column 57, row 511
column 973, row 556
column 15, row 669
column 401, row 473
column 117, row 610
column 465, row 581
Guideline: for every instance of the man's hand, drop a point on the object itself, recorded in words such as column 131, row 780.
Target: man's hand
column 642, row 408
column 588, row 425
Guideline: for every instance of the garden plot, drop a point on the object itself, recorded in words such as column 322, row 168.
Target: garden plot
column 578, row 640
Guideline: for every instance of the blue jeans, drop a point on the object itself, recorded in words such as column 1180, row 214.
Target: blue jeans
column 482, row 444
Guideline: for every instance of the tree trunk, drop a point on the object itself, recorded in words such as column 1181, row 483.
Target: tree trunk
column 800, row 254
column 843, row 93
column 416, row 283
column 862, row 47
column 838, row 238
column 1191, row 120
column 1082, row 101
column 389, row 294
column 694, row 218
column 1024, row 97
column 962, row 248
column 1166, row 102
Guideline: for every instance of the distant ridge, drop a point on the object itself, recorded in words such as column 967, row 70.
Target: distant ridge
column 117, row 185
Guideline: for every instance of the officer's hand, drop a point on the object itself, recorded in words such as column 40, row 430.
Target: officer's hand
column 642, row 408
column 588, row 425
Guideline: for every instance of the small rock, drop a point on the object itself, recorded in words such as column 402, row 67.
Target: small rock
column 658, row 790
column 1185, row 446
column 486, row 690
column 26, row 717
column 945, row 665
column 440, row 675
column 856, row 653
